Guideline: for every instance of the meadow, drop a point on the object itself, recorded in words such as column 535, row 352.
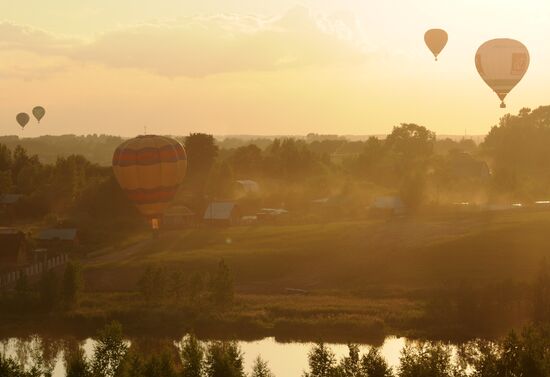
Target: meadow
column 440, row 276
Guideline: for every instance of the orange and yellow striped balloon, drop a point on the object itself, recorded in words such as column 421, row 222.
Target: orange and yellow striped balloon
column 150, row 170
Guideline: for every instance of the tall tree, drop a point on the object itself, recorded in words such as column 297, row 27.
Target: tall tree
column 224, row 359
column 541, row 295
column 109, row 350
column 202, row 152
column 192, row 357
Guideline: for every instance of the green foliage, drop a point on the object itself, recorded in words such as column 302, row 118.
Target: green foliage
column 10, row 368
column 541, row 295
column 374, row 365
column 427, row 360
column 221, row 285
column 157, row 365
column 6, row 182
column 322, row 362
column 153, row 285
column 350, row 366
column 220, row 182
column 109, row 351
column 192, row 357
column 159, row 283
column 50, row 290
column 224, row 359
column 518, row 147
column 201, row 153
column 76, row 364
column 261, row 369
column 72, row 285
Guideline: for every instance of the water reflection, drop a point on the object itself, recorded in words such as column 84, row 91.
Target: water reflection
column 285, row 359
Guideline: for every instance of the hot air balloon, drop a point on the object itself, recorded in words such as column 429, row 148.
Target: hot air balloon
column 39, row 113
column 22, row 119
column 502, row 63
column 436, row 40
column 150, row 170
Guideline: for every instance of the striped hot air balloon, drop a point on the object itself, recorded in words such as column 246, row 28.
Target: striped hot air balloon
column 150, row 170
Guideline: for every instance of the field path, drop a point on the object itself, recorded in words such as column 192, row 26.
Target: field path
column 110, row 255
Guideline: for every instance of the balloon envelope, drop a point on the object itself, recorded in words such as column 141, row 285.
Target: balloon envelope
column 22, row 119
column 39, row 113
column 502, row 63
column 150, row 170
column 436, row 40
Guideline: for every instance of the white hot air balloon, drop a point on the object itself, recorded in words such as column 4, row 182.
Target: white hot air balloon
column 502, row 63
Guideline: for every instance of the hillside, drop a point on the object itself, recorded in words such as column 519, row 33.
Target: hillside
column 353, row 256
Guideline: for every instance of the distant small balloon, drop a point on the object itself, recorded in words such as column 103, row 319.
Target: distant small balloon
column 22, row 119
column 502, row 63
column 436, row 40
column 39, row 113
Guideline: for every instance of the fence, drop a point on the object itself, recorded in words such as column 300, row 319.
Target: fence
column 10, row 278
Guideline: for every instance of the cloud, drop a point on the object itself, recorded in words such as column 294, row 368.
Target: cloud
column 202, row 46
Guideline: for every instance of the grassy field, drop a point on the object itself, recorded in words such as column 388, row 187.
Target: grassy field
column 365, row 258
column 449, row 277
column 364, row 279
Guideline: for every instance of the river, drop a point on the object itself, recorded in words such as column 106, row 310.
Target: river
column 284, row 359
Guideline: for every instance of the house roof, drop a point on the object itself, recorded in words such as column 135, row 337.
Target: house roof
column 68, row 234
column 10, row 198
column 178, row 211
column 387, row 202
column 249, row 186
column 219, row 211
column 272, row 211
column 10, row 244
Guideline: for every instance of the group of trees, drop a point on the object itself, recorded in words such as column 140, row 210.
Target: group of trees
column 524, row 354
column 53, row 291
column 409, row 162
column 72, row 192
column 159, row 283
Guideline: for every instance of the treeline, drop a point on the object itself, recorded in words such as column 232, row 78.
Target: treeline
column 72, row 192
column 54, row 291
column 509, row 165
column 95, row 148
column 159, row 284
column 523, row 354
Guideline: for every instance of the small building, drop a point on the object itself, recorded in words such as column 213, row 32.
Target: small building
column 222, row 214
column 14, row 251
column 246, row 187
column 7, row 207
column 178, row 217
column 58, row 239
column 270, row 215
column 387, row 205
column 465, row 167
column 8, row 200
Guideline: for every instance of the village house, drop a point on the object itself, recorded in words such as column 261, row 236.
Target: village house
column 58, row 240
column 179, row 217
column 246, row 187
column 222, row 214
column 14, row 251
column 7, row 207
column 387, row 206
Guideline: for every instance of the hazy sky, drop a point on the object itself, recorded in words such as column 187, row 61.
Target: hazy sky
column 260, row 67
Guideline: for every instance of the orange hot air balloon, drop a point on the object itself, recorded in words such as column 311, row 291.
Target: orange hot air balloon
column 22, row 119
column 502, row 63
column 436, row 40
column 150, row 170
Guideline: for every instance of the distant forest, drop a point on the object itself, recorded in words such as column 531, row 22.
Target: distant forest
column 70, row 176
